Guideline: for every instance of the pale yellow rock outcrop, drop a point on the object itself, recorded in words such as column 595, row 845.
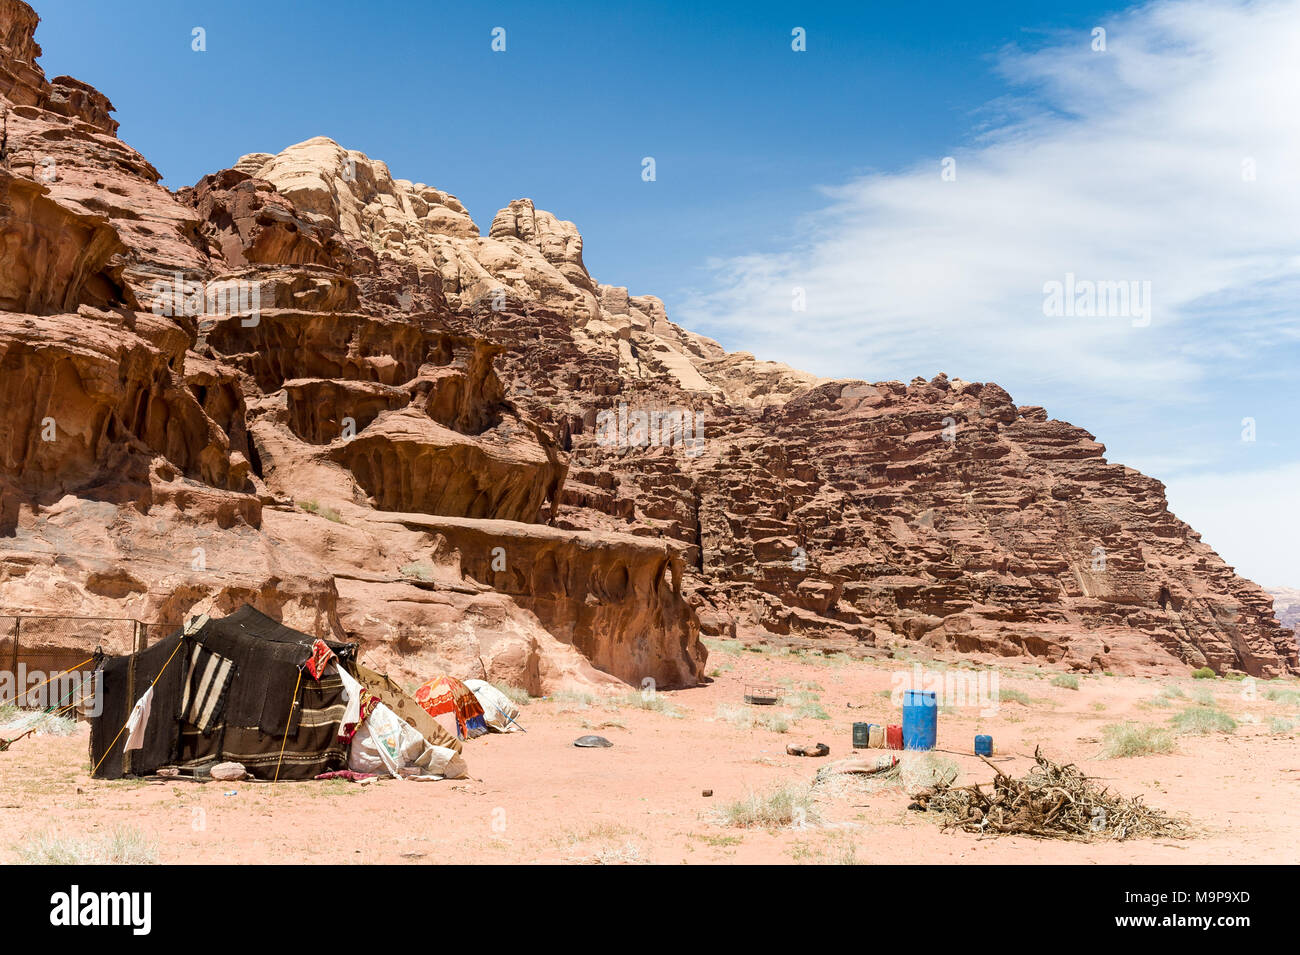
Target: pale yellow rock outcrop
column 528, row 253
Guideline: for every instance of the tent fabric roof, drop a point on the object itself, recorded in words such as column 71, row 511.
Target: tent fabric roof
column 258, row 710
column 250, row 622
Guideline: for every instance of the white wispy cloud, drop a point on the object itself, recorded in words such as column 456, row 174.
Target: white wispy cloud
column 1119, row 165
column 1169, row 158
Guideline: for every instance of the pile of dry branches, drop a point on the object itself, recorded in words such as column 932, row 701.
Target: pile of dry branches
column 1051, row 800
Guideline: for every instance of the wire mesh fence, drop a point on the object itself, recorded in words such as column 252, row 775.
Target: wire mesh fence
column 46, row 660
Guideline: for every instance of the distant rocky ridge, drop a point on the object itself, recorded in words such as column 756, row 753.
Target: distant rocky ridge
column 309, row 385
column 1286, row 604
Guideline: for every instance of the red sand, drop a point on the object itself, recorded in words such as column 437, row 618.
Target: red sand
column 534, row 797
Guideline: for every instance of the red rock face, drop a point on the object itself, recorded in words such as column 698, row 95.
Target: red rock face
column 56, row 257
column 216, row 397
column 948, row 514
column 937, row 512
column 307, row 385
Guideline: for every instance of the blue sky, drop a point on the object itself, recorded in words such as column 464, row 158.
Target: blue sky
column 821, row 170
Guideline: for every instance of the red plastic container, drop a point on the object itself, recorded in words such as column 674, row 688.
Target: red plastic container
column 893, row 737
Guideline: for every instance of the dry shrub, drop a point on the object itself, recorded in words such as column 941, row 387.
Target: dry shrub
column 1050, row 801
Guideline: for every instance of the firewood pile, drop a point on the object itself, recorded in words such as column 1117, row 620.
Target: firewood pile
column 1050, row 801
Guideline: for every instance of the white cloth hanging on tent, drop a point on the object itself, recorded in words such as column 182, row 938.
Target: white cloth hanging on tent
column 351, row 700
column 386, row 744
column 498, row 712
column 138, row 720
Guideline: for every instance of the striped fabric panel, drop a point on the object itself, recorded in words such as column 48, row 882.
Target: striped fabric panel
column 205, row 690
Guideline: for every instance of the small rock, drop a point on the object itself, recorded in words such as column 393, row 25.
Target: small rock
column 707, row 793
column 592, row 742
column 228, row 772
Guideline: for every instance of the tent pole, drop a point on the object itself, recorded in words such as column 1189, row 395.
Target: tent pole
column 289, row 720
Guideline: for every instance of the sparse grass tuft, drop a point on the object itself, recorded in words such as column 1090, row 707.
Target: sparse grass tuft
column 595, row 832
column 629, row 853
column 831, row 658
column 1285, row 697
column 604, row 725
column 717, row 842
column 1122, row 740
column 730, row 647
column 807, row 706
column 653, row 702
column 418, row 571
column 1203, row 720
column 1015, row 696
column 782, row 808
column 515, row 694
column 747, row 717
column 1279, row 725
column 123, row 846
column 571, row 702
column 43, row 724
column 1067, row 680
column 837, row 848
column 314, row 507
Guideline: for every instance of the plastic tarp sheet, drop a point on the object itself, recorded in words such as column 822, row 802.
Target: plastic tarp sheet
column 392, row 696
column 498, row 711
column 386, row 744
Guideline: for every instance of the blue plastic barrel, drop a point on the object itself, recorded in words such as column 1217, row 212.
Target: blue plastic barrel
column 983, row 745
column 920, row 719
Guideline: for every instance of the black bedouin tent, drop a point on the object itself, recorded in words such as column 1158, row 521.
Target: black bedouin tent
column 227, row 689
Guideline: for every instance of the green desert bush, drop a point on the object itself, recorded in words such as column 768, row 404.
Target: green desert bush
column 1067, row 680
column 805, row 705
column 1203, row 720
column 1122, row 740
column 1204, row 673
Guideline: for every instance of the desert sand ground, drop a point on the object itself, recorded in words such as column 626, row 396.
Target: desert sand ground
column 534, row 797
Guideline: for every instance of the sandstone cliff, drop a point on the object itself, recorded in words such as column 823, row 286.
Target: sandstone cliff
column 310, row 385
column 220, row 396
